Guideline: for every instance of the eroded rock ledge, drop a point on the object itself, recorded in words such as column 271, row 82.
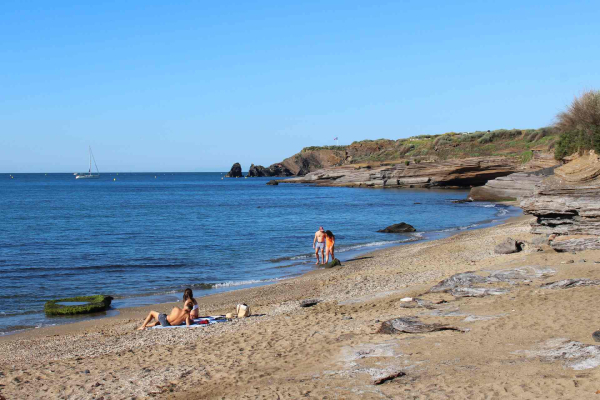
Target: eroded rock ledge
column 511, row 187
column 450, row 173
column 567, row 205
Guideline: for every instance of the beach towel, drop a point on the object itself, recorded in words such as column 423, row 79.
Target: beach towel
column 202, row 321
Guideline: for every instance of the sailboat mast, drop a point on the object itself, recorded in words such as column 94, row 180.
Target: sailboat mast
column 90, row 148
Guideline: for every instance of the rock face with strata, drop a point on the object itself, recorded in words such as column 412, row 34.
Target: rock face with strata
column 449, row 173
column 235, row 171
column 510, row 187
column 568, row 205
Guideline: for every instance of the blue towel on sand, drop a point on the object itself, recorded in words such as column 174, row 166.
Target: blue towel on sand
column 211, row 320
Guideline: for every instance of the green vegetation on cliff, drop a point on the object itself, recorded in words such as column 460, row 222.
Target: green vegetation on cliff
column 452, row 145
column 513, row 143
column 579, row 126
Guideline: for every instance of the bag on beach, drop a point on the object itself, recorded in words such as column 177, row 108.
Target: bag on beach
column 243, row 310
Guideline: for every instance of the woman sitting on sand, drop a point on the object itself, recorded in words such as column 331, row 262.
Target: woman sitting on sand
column 329, row 244
column 188, row 298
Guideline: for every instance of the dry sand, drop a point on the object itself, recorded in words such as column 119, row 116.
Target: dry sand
column 528, row 343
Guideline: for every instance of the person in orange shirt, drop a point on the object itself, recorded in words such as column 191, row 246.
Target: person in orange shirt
column 329, row 246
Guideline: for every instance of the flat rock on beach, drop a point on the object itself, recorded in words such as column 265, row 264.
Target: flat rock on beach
column 510, row 345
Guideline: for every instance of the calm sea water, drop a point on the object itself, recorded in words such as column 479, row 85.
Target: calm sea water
column 143, row 237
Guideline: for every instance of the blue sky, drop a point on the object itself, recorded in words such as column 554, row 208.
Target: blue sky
column 197, row 86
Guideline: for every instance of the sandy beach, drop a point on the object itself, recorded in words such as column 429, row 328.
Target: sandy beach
column 518, row 341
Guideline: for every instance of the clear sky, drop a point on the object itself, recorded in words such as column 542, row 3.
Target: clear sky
column 196, row 86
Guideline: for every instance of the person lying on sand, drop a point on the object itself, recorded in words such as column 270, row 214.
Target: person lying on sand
column 177, row 316
column 319, row 240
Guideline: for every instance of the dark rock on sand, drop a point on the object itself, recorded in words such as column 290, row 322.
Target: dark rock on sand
column 398, row 228
column 570, row 283
column 390, row 377
column 273, row 182
column 476, row 292
column 412, row 325
column 235, row 171
column 596, row 336
column 464, row 279
column 309, row 303
column 509, row 246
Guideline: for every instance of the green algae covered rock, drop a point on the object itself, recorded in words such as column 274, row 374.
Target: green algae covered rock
column 85, row 305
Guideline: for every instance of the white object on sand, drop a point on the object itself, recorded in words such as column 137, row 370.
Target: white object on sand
column 406, row 299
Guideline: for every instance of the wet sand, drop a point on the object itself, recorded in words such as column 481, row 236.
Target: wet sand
column 510, row 346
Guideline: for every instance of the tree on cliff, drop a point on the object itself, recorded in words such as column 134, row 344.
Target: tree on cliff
column 579, row 125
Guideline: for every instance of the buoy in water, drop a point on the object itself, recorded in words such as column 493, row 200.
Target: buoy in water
column 154, row 176
column 114, row 179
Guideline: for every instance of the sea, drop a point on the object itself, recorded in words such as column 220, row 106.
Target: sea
column 145, row 237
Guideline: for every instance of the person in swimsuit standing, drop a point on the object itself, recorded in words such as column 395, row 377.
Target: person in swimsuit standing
column 188, row 298
column 319, row 245
column 329, row 243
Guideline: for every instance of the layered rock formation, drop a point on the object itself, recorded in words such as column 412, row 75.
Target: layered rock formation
column 235, row 171
column 510, row 187
column 567, row 205
column 460, row 173
column 277, row 170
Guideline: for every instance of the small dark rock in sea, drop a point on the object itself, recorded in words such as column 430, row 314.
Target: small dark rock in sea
column 398, row 228
column 235, row 172
column 309, row 303
column 273, row 182
column 462, row 201
column 417, row 203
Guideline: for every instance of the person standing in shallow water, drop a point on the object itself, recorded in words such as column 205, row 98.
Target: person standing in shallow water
column 319, row 245
column 329, row 244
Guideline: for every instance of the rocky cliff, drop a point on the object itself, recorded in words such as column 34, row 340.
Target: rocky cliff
column 511, row 187
column 449, row 173
column 567, row 205
column 531, row 146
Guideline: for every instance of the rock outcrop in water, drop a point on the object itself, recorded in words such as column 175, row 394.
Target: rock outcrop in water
column 511, row 187
column 450, row 173
column 275, row 170
column 567, row 205
column 235, row 171
column 398, row 228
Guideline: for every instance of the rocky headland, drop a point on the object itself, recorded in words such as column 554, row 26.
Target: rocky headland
column 527, row 146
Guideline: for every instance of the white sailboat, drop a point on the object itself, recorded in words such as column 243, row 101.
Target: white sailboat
column 89, row 175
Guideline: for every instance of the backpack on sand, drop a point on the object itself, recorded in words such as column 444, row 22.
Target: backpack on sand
column 243, row 310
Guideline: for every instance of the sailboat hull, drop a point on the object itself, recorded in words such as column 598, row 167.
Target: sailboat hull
column 87, row 177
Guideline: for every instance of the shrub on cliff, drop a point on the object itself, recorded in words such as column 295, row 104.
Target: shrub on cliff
column 579, row 125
